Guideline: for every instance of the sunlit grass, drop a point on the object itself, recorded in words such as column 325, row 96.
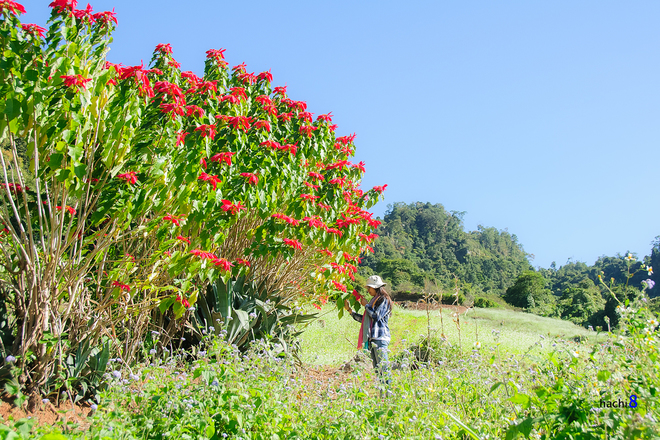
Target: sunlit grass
column 332, row 341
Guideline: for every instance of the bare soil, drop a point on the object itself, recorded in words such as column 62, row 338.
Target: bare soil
column 45, row 413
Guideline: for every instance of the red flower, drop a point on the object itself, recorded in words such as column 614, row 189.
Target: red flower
column 326, row 252
column 191, row 77
column 324, row 206
column 222, row 157
column 172, row 90
column 247, row 78
column 12, row 7
column 121, row 286
column 105, row 17
column 316, row 176
column 332, row 127
column 315, row 222
column 242, row 262
column 263, row 100
column 334, row 231
column 239, row 92
column 164, row 48
column 285, row 116
column 130, row 177
column 202, row 162
column 337, row 165
column 311, row 185
column 316, row 306
column 240, row 122
column 271, row 144
column 173, row 219
column 338, row 181
column 337, row 267
column 339, row 286
column 226, row 265
column 265, row 125
column 207, row 130
column 380, row 189
column 289, row 220
column 181, row 138
column 182, row 238
column 307, row 129
column 240, row 68
column 31, row 28
column 280, row 91
column 309, row 197
column 75, row 80
column 306, row 116
column 62, row 5
column 266, row 76
column 327, row 117
column 193, row 109
column 175, row 109
column 68, row 209
column 213, row 180
column 218, row 54
column 174, row 63
column 346, row 139
column 293, row 243
column 360, row 166
column 231, row 207
column 291, row 148
column 231, row 98
column 86, row 13
column 252, row 178
column 203, row 254
column 184, row 302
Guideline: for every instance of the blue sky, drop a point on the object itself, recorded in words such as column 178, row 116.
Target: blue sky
column 539, row 117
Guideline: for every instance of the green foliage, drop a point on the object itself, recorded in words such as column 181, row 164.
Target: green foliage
column 529, row 292
column 579, row 304
column 484, row 303
column 423, row 241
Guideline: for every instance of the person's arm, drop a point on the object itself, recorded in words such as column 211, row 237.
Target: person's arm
column 355, row 315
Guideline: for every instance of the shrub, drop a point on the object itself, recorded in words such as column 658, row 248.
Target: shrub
column 484, row 303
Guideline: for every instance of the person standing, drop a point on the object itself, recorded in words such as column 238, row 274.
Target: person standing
column 375, row 331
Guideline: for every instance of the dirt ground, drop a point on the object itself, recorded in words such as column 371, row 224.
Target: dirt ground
column 45, row 413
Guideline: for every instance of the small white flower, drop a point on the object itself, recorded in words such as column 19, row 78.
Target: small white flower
column 575, row 353
column 477, row 344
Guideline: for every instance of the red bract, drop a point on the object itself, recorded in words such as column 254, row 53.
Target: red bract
column 191, row 77
column 324, row 206
column 247, row 78
column 307, row 129
column 337, row 165
column 316, row 175
column 222, row 157
column 346, row 139
column 291, row 148
column 262, row 125
column 368, row 238
column 334, row 231
column 31, row 28
column 202, row 162
column 338, row 181
column 332, row 127
column 218, row 54
column 240, row 122
column 306, row 116
column 315, row 222
column 106, row 17
column 82, row 14
column 231, row 207
column 181, row 138
column 289, row 220
column 182, row 238
column 380, row 189
column 203, row 254
column 184, row 302
column 207, row 130
column 263, row 100
column 75, row 80
column 239, row 92
column 68, row 209
column 213, row 180
column 337, row 267
column 226, row 265
column 293, row 243
column 141, row 79
column 13, row 7
column 360, row 166
column 231, row 98
column 164, row 48
column 14, row 187
column 339, row 286
column 252, row 178
column 121, row 286
column 285, row 117
column 194, row 110
column 61, row 6
column 326, row 252
column 174, row 109
column 202, row 87
column 240, row 68
column 309, row 197
column 130, row 177
column 173, row 219
column 327, row 117
column 280, row 90
column 243, row 262
column 311, row 185
column 265, row 76
column 174, row 63
column 271, row 144
column 172, row 90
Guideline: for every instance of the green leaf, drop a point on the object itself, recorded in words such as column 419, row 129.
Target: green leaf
column 495, row 386
column 603, row 375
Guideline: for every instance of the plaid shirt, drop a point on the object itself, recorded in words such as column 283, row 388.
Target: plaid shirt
column 380, row 316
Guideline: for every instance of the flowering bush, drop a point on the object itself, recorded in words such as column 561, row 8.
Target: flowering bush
column 151, row 182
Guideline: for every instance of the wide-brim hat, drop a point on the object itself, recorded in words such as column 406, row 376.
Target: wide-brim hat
column 375, row 281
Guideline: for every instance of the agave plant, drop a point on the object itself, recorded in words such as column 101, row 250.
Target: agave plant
column 246, row 310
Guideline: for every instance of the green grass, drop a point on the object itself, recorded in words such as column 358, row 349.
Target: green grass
column 332, row 341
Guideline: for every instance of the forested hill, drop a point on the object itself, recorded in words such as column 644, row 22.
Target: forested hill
column 421, row 241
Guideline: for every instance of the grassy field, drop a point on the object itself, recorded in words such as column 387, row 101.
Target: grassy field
column 332, row 341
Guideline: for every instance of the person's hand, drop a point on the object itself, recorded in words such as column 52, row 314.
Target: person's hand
column 347, row 307
column 363, row 301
